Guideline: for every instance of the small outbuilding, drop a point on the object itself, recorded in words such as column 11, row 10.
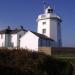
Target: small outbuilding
column 32, row 41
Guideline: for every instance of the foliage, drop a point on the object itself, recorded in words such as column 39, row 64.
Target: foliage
column 24, row 62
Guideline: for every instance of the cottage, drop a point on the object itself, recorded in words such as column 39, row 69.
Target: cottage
column 10, row 38
column 32, row 41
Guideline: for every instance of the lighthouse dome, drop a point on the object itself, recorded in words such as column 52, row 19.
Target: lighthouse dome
column 48, row 10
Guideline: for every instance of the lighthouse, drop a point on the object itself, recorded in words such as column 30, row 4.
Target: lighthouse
column 49, row 24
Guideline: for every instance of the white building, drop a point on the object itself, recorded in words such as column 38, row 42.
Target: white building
column 48, row 33
column 11, row 38
column 32, row 41
column 49, row 24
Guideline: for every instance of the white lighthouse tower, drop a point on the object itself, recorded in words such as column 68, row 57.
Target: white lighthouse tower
column 49, row 24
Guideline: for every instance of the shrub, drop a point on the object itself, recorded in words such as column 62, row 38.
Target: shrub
column 24, row 62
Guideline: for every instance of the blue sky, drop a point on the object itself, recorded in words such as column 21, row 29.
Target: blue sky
column 24, row 12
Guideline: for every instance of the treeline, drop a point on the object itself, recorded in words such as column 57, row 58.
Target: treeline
column 24, row 62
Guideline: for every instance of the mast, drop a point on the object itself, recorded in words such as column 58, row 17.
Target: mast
column 44, row 5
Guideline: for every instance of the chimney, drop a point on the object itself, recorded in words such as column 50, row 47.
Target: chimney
column 8, row 28
column 21, row 27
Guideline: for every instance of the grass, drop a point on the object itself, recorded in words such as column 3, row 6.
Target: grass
column 24, row 62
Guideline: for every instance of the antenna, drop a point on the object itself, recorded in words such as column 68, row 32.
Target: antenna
column 53, row 4
column 44, row 4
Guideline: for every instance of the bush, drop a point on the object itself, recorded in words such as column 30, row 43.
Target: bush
column 24, row 62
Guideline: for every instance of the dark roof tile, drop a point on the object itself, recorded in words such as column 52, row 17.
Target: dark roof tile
column 42, row 36
column 9, row 31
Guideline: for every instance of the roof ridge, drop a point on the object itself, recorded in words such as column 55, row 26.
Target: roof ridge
column 42, row 35
column 11, row 31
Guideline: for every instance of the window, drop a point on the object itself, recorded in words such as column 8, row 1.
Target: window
column 44, row 31
column 2, row 44
column 19, row 44
column 1, row 36
column 50, row 10
column 44, row 23
column 19, row 36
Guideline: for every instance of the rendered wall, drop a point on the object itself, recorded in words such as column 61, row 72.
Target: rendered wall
column 2, row 40
column 29, row 41
column 14, row 40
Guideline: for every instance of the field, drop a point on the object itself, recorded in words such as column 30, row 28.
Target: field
column 65, row 54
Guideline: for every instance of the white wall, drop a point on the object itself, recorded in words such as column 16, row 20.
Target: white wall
column 29, row 41
column 19, row 35
column 2, row 40
column 15, row 39
column 45, row 26
column 53, row 29
column 52, row 26
column 7, row 40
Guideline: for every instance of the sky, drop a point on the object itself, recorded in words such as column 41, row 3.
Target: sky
column 25, row 12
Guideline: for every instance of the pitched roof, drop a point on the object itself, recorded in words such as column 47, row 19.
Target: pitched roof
column 5, row 31
column 9, row 31
column 42, row 36
column 17, row 30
